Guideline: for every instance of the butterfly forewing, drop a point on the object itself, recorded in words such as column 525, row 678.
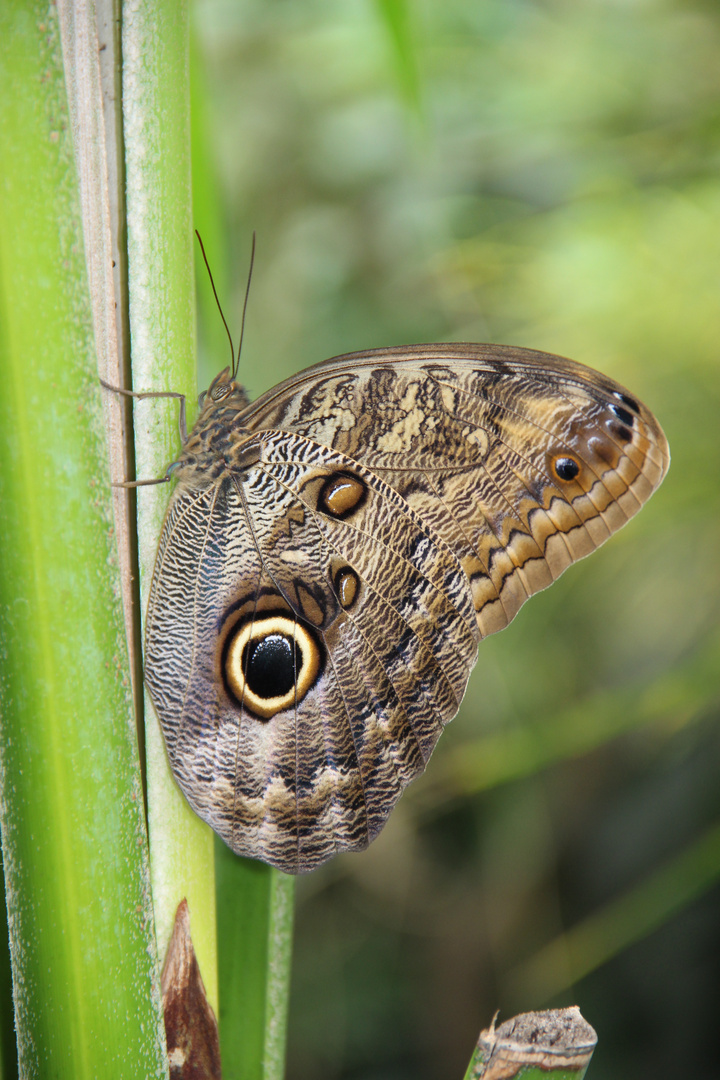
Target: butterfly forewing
column 333, row 554
column 469, row 435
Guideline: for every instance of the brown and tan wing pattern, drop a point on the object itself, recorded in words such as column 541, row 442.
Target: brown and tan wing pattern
column 381, row 601
column 522, row 461
column 333, row 554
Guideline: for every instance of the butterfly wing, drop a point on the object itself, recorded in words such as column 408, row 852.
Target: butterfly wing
column 316, row 604
column 523, row 462
column 380, row 613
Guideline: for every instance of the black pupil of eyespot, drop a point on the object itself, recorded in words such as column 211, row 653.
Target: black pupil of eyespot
column 271, row 665
column 566, row 468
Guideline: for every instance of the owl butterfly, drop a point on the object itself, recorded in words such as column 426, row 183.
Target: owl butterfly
column 333, row 554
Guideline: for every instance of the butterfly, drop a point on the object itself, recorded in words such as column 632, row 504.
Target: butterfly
column 333, row 554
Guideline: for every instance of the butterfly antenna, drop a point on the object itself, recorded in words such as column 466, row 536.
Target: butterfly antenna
column 227, row 330
column 247, row 293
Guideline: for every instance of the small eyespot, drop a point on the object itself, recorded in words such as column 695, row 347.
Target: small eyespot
column 341, row 494
column 623, row 414
column 565, row 468
column 347, row 585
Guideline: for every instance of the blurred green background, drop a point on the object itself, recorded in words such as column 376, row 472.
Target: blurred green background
column 541, row 173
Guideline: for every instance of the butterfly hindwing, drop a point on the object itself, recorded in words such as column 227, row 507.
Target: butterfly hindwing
column 322, row 772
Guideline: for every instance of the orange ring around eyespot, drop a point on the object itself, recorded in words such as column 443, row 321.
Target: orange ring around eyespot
column 571, row 459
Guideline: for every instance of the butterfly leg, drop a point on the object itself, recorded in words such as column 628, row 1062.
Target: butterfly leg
column 182, row 421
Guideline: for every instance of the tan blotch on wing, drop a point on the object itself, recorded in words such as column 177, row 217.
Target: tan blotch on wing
column 306, row 673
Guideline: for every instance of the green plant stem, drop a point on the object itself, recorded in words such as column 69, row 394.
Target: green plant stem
column 156, row 119
column 210, row 222
column 396, row 16
column 255, row 921
column 73, row 832
column 553, row 1045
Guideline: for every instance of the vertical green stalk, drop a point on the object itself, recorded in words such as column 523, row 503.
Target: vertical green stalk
column 73, row 833
column 156, row 122
column 210, row 222
column 255, row 923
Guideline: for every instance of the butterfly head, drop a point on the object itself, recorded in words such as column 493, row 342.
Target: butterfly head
column 222, row 386
column 224, row 390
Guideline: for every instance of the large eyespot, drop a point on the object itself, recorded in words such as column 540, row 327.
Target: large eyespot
column 341, row 494
column 565, row 468
column 270, row 662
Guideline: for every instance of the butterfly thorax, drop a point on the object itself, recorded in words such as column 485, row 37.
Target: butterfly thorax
column 218, row 442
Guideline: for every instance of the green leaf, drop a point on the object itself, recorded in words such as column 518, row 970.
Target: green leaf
column 396, row 17
column 74, row 841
